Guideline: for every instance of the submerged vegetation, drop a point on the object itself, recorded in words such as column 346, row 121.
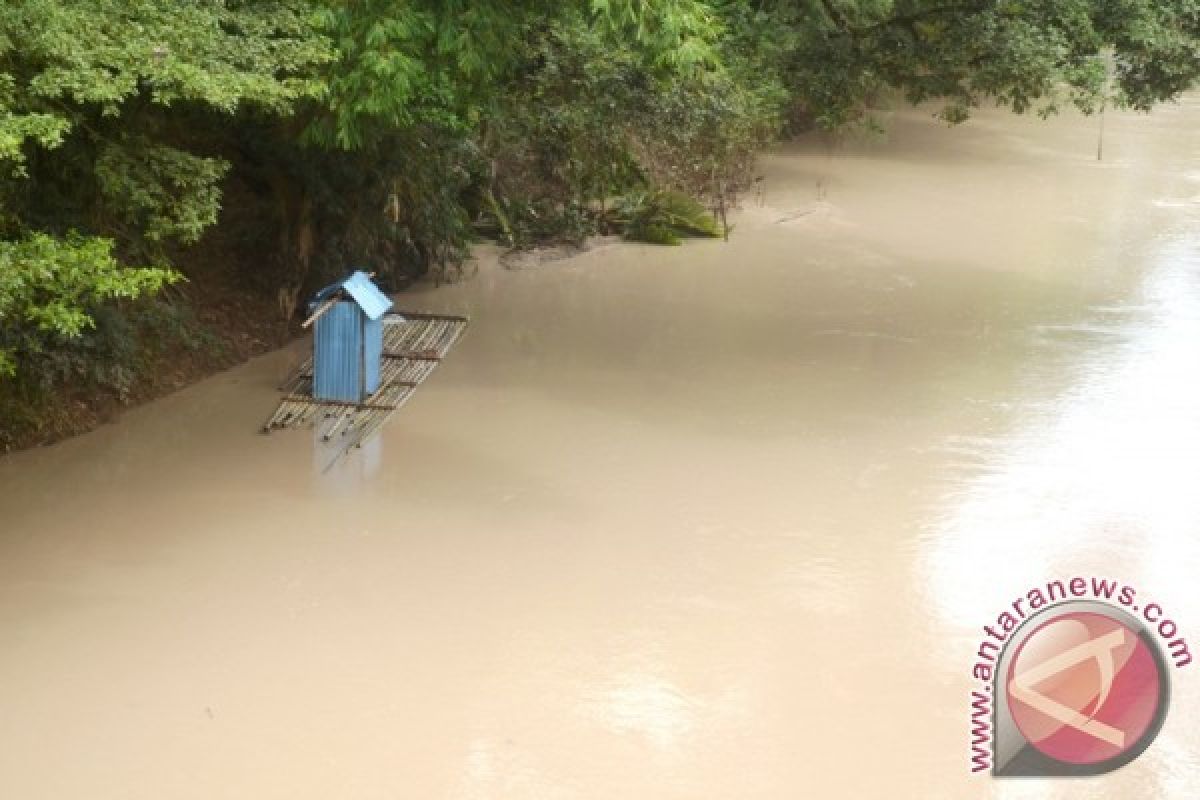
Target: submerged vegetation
column 663, row 217
column 155, row 154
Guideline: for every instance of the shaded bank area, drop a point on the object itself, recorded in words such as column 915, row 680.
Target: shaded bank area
column 715, row 521
column 163, row 346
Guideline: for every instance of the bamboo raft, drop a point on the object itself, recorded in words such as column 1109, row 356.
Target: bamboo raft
column 413, row 346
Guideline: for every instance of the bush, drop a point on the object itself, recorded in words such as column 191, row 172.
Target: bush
column 664, row 217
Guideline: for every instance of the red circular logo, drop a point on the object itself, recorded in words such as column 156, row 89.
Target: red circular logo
column 1084, row 688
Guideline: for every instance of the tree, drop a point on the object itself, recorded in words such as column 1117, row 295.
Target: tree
column 422, row 103
column 1024, row 55
column 92, row 97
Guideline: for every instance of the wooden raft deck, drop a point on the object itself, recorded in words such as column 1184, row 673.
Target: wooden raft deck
column 413, row 346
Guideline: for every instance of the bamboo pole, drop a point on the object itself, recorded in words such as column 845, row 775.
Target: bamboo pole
column 321, row 310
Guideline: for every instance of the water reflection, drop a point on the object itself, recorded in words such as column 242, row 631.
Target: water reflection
column 1099, row 481
column 336, row 469
column 646, row 705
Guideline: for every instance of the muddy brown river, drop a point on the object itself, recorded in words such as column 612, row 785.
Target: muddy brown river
column 717, row 521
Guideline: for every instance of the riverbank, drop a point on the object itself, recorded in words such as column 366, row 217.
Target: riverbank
column 201, row 329
column 215, row 327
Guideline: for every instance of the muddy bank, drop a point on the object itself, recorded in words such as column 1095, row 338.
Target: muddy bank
column 203, row 328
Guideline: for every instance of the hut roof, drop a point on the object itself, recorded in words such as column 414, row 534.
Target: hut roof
column 362, row 290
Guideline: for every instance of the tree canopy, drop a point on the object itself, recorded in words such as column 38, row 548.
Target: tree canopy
column 93, row 98
column 1022, row 54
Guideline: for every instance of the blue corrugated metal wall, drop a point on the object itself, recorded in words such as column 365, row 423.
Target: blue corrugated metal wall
column 347, row 348
column 373, row 352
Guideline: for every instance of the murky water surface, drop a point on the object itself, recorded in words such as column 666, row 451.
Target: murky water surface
column 715, row 521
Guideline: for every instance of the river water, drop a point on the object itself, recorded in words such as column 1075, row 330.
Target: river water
column 716, row 521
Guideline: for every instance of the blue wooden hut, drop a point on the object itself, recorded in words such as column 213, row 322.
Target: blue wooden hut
column 348, row 343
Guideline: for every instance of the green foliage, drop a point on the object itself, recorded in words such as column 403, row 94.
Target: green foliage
column 108, row 364
column 664, row 217
column 48, row 286
column 17, row 127
column 107, row 84
column 560, row 142
column 381, row 81
column 1022, row 55
column 101, row 53
column 404, row 214
column 595, row 110
column 163, row 192
column 674, row 36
